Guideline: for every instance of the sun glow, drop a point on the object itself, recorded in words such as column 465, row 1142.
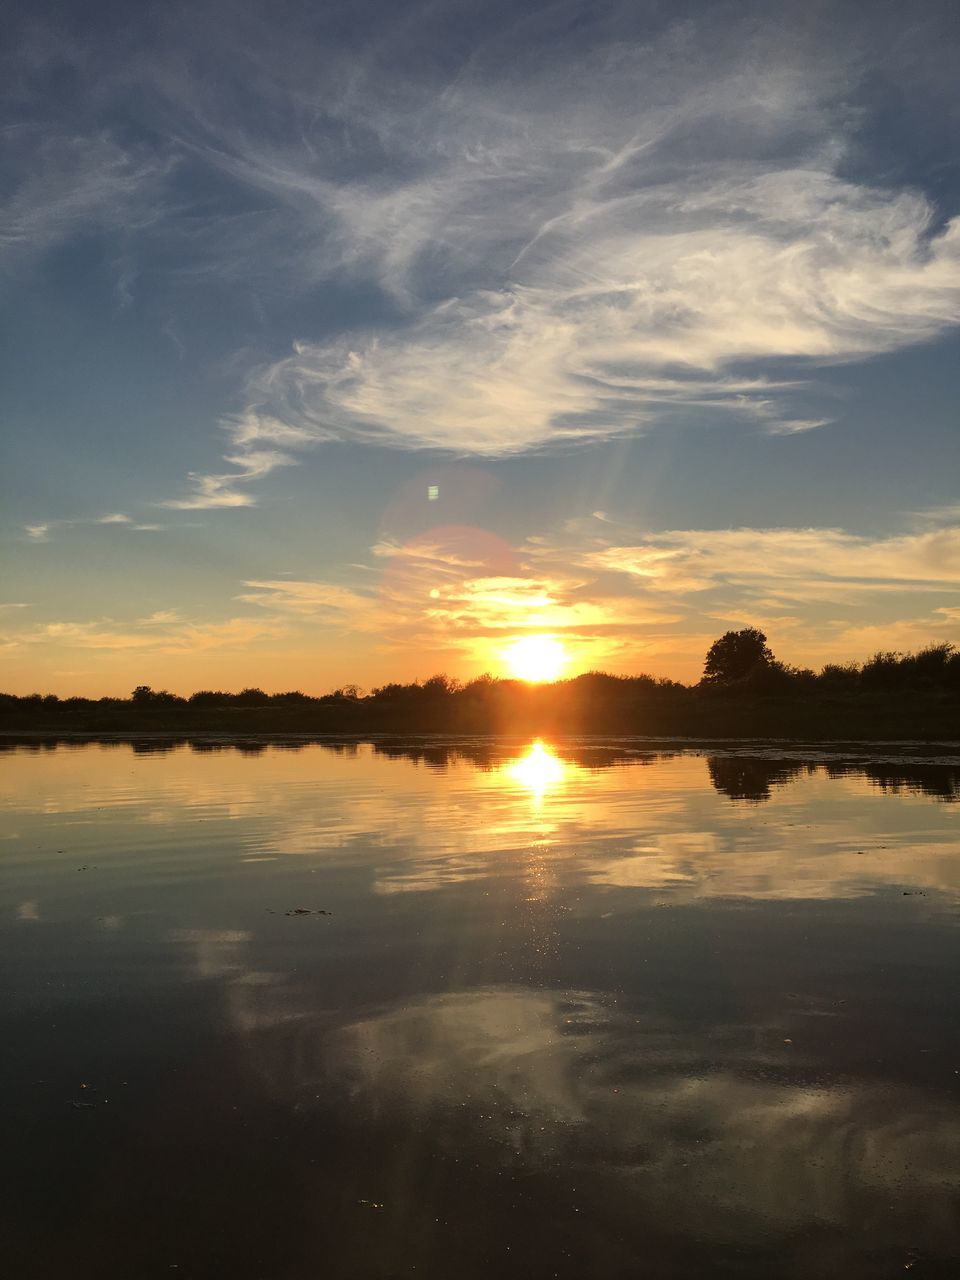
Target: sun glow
column 538, row 772
column 536, row 658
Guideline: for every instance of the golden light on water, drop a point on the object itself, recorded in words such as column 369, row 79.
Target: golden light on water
column 536, row 658
column 538, row 771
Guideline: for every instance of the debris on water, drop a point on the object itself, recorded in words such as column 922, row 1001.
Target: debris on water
column 914, row 893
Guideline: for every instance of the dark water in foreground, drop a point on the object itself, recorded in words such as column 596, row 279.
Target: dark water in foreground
column 577, row 1012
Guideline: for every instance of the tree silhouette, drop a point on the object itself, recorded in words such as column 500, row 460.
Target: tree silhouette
column 736, row 654
column 251, row 698
column 144, row 696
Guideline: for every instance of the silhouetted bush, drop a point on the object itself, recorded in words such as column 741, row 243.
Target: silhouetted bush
column 930, row 666
column 840, row 676
column 251, row 698
column 210, row 698
column 884, row 671
column 440, row 686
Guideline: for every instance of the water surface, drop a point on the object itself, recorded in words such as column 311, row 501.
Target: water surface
column 473, row 1009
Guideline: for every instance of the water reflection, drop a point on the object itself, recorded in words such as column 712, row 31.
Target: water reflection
column 732, row 1130
column 745, row 778
column 679, row 825
column 742, row 773
column 538, row 771
column 477, row 1007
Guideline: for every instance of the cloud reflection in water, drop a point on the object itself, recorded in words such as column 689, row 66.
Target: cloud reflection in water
column 722, row 1127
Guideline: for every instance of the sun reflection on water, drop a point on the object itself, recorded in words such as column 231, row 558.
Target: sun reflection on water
column 539, row 771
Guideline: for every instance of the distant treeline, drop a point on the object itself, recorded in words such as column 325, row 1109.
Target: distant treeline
column 745, row 691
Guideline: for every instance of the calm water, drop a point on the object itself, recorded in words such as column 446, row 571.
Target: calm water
column 572, row 1011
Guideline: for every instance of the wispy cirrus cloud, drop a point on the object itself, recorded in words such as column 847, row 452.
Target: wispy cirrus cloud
column 483, row 606
column 798, row 264
column 575, row 266
column 565, row 241
column 64, row 182
column 790, row 563
column 309, row 599
column 43, row 531
column 221, row 490
column 162, row 633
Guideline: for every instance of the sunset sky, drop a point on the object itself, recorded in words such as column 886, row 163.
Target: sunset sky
column 351, row 342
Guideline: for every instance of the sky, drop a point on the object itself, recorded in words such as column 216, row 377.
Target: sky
column 353, row 342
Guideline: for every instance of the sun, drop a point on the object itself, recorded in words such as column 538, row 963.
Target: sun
column 535, row 658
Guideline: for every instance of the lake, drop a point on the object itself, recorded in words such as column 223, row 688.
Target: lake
column 479, row 1008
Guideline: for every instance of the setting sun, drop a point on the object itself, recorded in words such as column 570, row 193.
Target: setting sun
column 536, row 658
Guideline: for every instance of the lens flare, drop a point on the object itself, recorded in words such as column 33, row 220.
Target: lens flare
column 535, row 658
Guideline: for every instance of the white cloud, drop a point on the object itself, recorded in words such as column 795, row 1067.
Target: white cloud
column 160, row 618
column 793, row 426
column 164, row 632
column 575, row 265
column 796, row 264
column 799, row 563
column 307, row 598
column 42, row 531
column 220, row 490
column 576, row 240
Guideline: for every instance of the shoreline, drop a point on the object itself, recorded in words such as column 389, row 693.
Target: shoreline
column 741, row 745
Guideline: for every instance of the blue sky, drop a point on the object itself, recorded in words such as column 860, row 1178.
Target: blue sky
column 661, row 301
